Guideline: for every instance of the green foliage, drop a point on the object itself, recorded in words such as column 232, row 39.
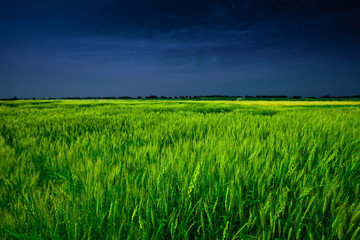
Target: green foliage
column 178, row 170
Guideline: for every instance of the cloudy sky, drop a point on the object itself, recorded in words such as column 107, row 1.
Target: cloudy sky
column 67, row 48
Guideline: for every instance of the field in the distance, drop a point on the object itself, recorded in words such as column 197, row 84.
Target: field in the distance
column 88, row 169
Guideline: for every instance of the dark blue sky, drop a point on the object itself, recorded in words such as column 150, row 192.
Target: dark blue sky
column 167, row 47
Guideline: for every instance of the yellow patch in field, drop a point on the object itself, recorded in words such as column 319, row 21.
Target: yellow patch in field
column 294, row 103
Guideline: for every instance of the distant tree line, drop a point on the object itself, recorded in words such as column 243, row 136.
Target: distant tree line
column 203, row 97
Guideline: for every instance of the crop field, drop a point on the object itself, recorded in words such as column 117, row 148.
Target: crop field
column 141, row 169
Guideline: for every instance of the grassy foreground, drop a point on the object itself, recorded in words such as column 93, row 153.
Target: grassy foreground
column 179, row 170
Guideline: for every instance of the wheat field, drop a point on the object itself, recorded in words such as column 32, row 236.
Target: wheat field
column 136, row 169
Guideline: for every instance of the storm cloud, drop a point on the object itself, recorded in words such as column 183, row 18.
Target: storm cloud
column 116, row 48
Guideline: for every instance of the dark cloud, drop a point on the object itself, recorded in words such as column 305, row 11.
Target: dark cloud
column 141, row 47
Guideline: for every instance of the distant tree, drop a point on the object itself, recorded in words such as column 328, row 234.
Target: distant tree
column 151, row 97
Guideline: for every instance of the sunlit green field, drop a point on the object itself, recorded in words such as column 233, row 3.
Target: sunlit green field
column 128, row 169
